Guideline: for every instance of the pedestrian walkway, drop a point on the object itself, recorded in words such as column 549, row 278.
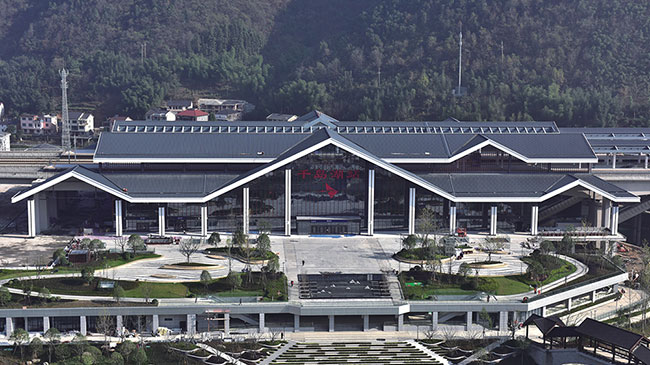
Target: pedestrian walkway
column 427, row 351
column 278, row 352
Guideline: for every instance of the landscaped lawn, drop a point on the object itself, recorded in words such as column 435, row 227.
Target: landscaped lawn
column 112, row 260
column 135, row 289
column 455, row 285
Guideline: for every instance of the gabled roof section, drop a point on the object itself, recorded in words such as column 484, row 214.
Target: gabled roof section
column 607, row 333
column 316, row 141
column 530, row 188
column 315, row 118
column 80, row 173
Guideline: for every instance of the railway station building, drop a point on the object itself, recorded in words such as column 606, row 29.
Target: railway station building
column 320, row 176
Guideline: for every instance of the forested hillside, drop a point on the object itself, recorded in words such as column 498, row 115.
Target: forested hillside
column 582, row 62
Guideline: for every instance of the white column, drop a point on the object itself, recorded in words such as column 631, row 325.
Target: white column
column 204, row 220
column 607, row 213
column 119, row 324
column 191, row 324
column 400, row 322
column 9, row 326
column 534, row 219
column 246, row 211
column 411, row 210
column 469, row 321
column 452, row 219
column 46, row 324
column 569, row 304
column 31, row 217
column 646, row 162
column 371, row 202
column 503, row 321
column 161, row 221
column 83, row 325
column 226, row 323
column 434, row 320
column 593, row 296
column 261, row 321
column 296, row 323
column 493, row 220
column 614, row 224
column 155, row 323
column 366, row 323
column 331, row 323
column 118, row 217
column 613, row 161
column 287, row 202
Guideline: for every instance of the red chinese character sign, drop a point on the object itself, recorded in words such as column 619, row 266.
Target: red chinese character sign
column 327, row 177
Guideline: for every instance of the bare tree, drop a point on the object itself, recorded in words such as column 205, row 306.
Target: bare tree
column 491, row 245
column 105, row 326
column 121, row 242
column 146, row 288
column 449, row 333
column 189, row 247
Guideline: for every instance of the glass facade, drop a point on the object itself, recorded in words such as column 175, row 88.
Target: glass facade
column 141, row 218
column 513, row 217
column 391, row 202
column 439, row 205
column 181, row 217
column 266, row 202
column 92, row 209
column 330, row 183
column 225, row 212
column 473, row 216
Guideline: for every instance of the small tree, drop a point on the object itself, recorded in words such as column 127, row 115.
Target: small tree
column 140, row 357
column 547, row 247
column 45, row 293
column 427, row 226
column 136, row 243
column 189, row 247
column 61, row 256
column 35, row 347
column 88, row 274
column 19, row 337
column 235, row 280
column 486, row 320
column 146, row 288
column 409, row 242
column 214, row 239
column 96, row 245
column 121, row 243
column 239, row 239
column 274, row 265
column 52, row 336
column 105, row 326
column 5, row 296
column 491, row 245
column 80, row 343
column 205, row 278
column 263, row 244
column 118, row 293
column 535, row 271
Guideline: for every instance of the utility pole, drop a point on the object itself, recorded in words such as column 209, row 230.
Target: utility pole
column 460, row 90
column 65, row 132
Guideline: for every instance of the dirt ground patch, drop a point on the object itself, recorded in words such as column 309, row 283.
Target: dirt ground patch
column 18, row 250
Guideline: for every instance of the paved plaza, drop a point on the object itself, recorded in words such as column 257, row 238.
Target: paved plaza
column 298, row 255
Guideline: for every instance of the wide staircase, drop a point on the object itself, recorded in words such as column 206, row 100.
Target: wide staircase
column 374, row 352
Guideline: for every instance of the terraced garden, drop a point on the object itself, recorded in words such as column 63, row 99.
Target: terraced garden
column 354, row 353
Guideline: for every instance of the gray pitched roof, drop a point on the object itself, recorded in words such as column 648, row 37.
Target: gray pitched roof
column 217, row 140
column 609, row 334
column 169, row 184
